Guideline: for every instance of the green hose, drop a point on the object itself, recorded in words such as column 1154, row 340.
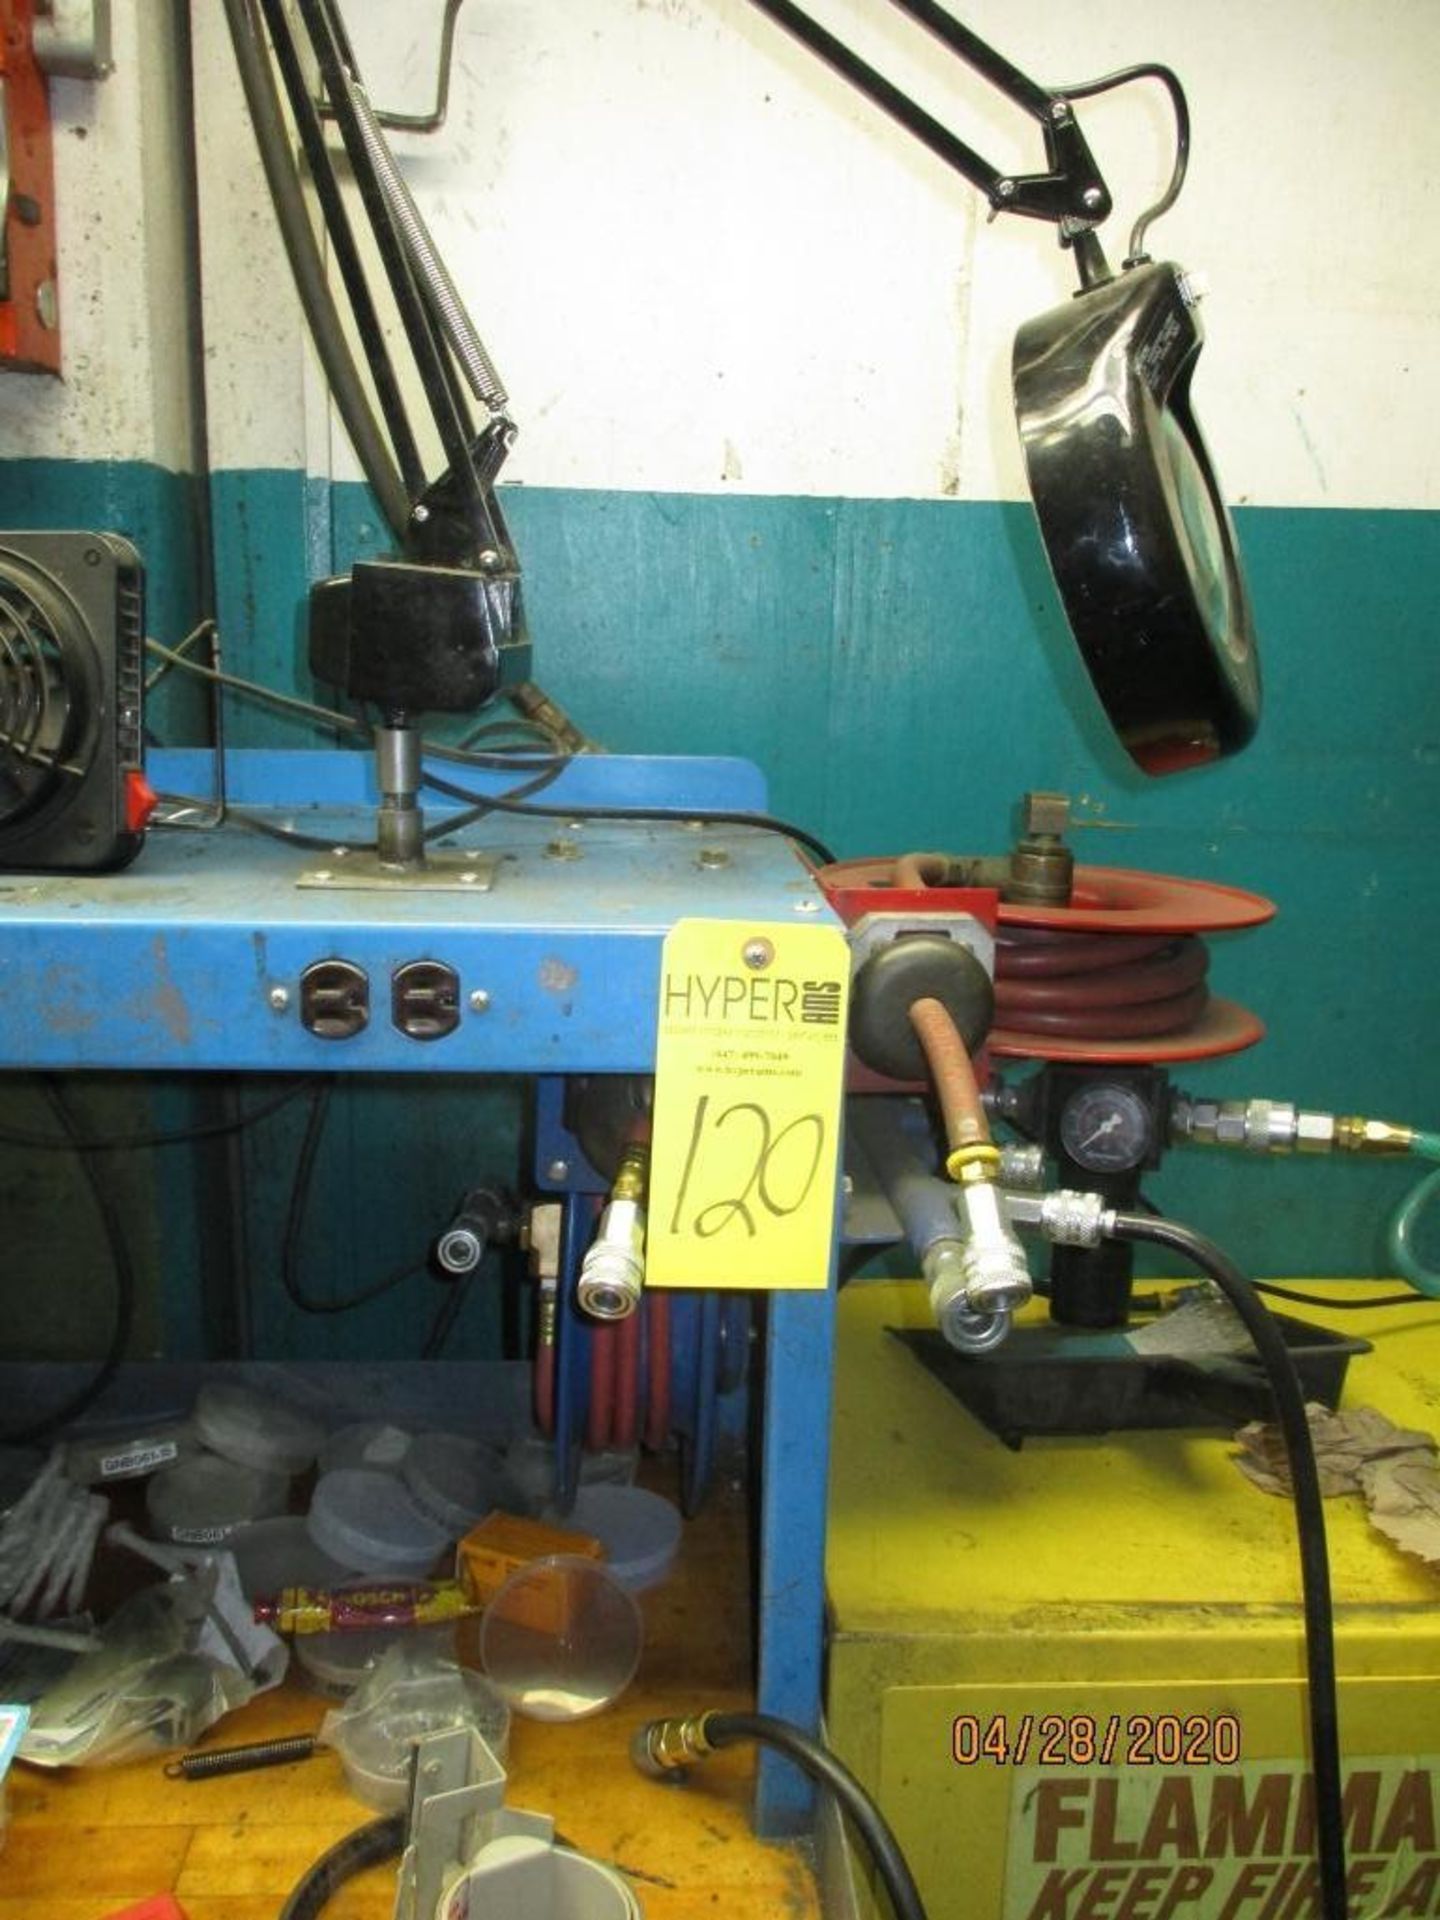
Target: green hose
column 1424, row 1279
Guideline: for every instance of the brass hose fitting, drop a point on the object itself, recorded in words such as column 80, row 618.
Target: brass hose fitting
column 1380, row 1138
column 664, row 1748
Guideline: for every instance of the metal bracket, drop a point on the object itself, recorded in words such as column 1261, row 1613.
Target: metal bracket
column 346, row 871
column 464, row 1840
column 72, row 39
column 456, row 1780
column 872, row 931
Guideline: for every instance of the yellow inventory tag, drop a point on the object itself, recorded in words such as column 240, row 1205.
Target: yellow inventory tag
column 749, row 1070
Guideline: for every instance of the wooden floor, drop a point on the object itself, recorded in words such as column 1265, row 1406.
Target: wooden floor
column 85, row 1844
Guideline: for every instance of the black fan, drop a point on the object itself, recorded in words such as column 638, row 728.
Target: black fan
column 73, row 796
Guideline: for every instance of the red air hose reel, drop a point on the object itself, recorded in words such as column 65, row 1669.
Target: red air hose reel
column 1116, row 975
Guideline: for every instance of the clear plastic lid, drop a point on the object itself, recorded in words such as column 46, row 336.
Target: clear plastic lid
column 255, row 1430
column 201, row 1501
column 455, row 1480
column 367, row 1520
column 561, row 1639
column 640, row 1532
column 530, row 1470
column 279, row 1553
column 334, row 1664
column 366, row 1443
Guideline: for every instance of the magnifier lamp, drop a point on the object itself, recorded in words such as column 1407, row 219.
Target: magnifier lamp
column 1136, row 531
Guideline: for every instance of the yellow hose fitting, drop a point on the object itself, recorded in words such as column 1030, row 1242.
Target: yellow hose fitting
column 974, row 1164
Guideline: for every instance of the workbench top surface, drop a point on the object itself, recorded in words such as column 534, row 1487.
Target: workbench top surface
column 83, row 1845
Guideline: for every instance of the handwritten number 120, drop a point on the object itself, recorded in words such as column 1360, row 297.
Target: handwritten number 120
column 765, row 1175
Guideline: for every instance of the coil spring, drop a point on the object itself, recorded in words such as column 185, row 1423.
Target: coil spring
column 211, row 1763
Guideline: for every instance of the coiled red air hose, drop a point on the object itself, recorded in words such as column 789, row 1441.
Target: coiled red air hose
column 1098, row 986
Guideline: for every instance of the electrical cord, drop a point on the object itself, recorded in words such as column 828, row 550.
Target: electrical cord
column 446, row 1316
column 513, row 803
column 122, row 1267
column 664, row 1747
column 236, row 683
column 507, row 802
column 1272, row 1292
column 503, row 761
column 1294, row 1295
column 295, row 1224
column 368, row 1846
column 1310, row 1527
column 548, row 766
column 534, row 729
column 136, row 1142
column 251, row 823
column 322, row 843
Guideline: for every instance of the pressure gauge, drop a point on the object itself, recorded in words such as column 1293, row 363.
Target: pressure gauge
column 1106, row 1128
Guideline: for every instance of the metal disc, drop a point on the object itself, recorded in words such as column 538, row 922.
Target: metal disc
column 1121, row 900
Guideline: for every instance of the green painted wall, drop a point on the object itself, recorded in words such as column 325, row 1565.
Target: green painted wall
column 901, row 671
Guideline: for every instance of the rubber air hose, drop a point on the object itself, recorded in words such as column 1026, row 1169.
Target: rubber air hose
column 1310, row 1528
column 367, row 1846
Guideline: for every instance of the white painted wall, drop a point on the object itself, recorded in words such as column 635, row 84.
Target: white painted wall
column 702, row 264
column 125, row 311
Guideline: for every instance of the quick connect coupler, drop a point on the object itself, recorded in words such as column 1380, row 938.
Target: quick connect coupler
column 612, row 1273
column 979, row 1278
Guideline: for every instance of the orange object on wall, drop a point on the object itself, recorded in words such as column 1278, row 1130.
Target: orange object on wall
column 29, row 299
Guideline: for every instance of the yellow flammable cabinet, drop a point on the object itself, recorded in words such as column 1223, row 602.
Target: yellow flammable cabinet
column 1072, row 1675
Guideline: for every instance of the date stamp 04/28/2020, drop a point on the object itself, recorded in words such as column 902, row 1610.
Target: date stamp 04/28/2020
column 1090, row 1740
column 1172, row 1816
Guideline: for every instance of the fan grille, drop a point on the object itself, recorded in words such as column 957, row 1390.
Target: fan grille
column 39, row 704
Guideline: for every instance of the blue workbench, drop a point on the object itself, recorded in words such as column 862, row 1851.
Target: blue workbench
column 191, row 960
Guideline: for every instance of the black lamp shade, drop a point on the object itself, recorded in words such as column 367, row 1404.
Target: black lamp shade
column 1138, row 537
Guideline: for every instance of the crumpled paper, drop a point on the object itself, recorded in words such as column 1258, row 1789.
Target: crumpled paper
column 1199, row 1324
column 1357, row 1450
column 1403, row 1495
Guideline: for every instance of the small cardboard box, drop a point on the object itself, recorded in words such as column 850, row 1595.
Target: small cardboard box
column 500, row 1546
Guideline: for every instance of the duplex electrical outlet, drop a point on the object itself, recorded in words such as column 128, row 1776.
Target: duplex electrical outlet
column 334, row 999
column 425, row 999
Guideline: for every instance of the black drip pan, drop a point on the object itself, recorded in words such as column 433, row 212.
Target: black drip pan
column 1052, row 1379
